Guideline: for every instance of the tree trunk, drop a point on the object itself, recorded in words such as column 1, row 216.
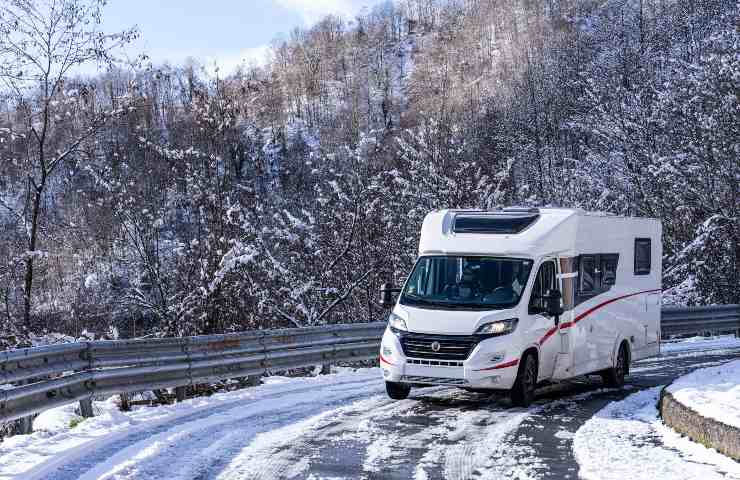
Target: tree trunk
column 30, row 257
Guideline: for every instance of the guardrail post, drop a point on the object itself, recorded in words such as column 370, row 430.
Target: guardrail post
column 325, row 369
column 86, row 409
column 254, row 380
column 24, row 426
column 180, row 394
column 125, row 402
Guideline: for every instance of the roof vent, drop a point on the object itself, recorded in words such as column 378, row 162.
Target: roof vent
column 521, row 210
column 502, row 223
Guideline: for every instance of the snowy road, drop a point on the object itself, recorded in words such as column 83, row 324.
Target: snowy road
column 343, row 426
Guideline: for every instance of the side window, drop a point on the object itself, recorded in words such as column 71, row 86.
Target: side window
column 544, row 281
column 642, row 256
column 587, row 274
column 608, row 270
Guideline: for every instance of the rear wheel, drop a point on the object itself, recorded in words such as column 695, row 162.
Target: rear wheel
column 522, row 394
column 397, row 391
column 614, row 377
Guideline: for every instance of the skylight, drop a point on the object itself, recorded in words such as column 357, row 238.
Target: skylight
column 493, row 223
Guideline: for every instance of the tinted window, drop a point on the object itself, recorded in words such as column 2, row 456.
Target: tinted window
column 642, row 256
column 588, row 274
column 608, row 270
column 543, row 283
column 493, row 223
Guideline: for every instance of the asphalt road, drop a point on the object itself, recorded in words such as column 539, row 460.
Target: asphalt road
column 351, row 430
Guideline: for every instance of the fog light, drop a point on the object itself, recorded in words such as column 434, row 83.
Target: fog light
column 386, row 373
column 495, row 379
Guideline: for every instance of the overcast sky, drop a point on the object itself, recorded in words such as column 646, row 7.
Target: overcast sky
column 228, row 31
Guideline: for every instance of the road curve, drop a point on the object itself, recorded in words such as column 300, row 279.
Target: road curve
column 349, row 429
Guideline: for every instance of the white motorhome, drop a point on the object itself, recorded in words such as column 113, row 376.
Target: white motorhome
column 509, row 299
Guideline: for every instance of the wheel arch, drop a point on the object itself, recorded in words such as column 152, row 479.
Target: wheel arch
column 628, row 348
column 535, row 352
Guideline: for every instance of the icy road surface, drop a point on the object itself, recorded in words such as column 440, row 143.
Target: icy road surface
column 343, row 426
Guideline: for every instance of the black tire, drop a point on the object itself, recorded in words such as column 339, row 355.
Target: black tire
column 397, row 391
column 614, row 377
column 522, row 394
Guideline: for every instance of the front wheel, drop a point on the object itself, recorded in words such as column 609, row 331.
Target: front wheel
column 397, row 391
column 614, row 377
column 522, row 394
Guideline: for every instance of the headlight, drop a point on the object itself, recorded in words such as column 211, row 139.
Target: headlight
column 497, row 328
column 396, row 322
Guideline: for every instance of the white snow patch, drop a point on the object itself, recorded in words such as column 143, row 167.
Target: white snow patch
column 712, row 392
column 564, row 435
column 91, row 280
column 57, row 419
column 700, row 343
column 626, row 439
column 475, row 442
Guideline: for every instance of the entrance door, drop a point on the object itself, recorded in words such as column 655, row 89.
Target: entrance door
column 549, row 340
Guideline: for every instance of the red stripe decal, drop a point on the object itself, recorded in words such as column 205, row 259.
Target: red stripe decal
column 384, row 360
column 603, row 304
column 503, row 365
column 548, row 335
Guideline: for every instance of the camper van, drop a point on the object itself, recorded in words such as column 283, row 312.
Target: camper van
column 515, row 298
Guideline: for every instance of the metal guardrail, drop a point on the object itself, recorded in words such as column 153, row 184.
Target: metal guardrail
column 699, row 320
column 35, row 379
column 47, row 377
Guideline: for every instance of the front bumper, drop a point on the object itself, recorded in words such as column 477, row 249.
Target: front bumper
column 492, row 365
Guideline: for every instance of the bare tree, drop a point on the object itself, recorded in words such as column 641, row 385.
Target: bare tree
column 42, row 43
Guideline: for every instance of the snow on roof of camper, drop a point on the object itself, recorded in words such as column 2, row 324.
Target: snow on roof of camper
column 511, row 231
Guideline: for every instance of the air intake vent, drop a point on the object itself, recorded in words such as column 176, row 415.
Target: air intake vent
column 494, row 223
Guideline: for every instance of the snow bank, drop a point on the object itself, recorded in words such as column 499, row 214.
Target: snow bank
column 723, row 342
column 711, row 392
column 626, row 439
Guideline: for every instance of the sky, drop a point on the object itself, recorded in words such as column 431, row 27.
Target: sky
column 226, row 32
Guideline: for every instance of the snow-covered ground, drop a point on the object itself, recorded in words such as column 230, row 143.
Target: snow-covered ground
column 712, row 392
column 626, row 439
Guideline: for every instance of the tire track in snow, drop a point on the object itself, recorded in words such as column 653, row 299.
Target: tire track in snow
column 189, row 444
column 275, row 454
column 152, row 449
column 272, row 454
column 438, row 433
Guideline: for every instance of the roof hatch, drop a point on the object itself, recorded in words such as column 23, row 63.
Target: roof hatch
column 504, row 222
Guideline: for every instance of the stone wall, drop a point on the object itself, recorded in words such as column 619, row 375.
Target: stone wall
column 707, row 431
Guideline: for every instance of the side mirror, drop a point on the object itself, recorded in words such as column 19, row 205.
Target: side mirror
column 386, row 294
column 552, row 304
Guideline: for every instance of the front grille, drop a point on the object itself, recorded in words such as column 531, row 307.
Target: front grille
column 433, row 380
column 451, row 347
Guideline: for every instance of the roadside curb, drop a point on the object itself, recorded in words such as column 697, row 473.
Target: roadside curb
column 709, row 432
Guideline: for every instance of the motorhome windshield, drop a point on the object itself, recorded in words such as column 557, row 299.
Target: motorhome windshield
column 479, row 283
